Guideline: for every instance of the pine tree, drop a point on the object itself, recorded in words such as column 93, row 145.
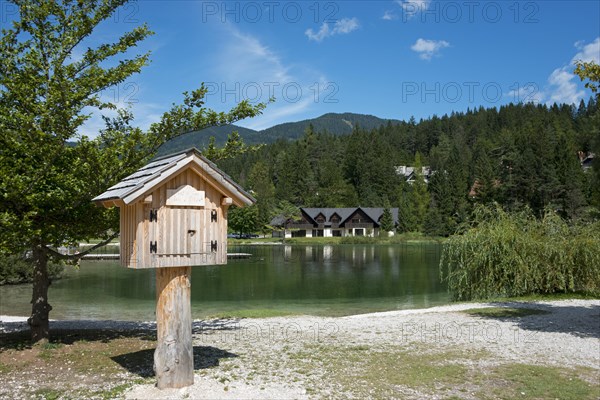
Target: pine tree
column 387, row 220
column 484, row 184
column 406, row 211
column 419, row 195
column 264, row 190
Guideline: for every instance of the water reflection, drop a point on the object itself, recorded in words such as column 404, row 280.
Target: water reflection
column 323, row 280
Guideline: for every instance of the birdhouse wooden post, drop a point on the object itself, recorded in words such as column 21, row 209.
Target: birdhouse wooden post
column 173, row 215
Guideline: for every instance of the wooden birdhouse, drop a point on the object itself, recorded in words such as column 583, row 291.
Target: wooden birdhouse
column 174, row 212
column 173, row 217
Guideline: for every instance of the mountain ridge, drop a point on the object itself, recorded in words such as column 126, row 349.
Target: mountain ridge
column 334, row 123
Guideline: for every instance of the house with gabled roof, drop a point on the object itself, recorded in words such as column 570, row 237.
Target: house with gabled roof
column 332, row 222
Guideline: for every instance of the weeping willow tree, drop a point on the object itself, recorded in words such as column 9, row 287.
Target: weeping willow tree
column 514, row 254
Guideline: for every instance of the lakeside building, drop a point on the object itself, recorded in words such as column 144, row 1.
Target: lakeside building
column 333, row 222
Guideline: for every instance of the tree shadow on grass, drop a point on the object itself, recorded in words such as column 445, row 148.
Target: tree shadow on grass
column 16, row 335
column 580, row 321
column 141, row 362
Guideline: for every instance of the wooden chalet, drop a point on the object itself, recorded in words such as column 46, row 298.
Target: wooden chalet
column 332, row 222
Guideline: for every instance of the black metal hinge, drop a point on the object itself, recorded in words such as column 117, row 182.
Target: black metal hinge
column 213, row 216
column 153, row 215
column 213, row 245
column 153, row 247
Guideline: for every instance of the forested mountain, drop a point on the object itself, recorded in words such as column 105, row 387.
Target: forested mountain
column 335, row 124
column 517, row 155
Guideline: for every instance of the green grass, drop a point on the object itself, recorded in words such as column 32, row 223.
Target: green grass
column 115, row 392
column 504, row 312
column 396, row 239
column 4, row 369
column 364, row 371
column 254, row 240
column 48, row 394
column 47, row 350
column 541, row 382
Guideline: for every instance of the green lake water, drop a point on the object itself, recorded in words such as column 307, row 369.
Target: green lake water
column 317, row 280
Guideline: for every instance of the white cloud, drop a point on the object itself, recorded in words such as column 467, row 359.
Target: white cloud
column 320, row 35
column 344, row 26
column 389, row 16
column 563, row 87
column 589, row 52
column 341, row 27
column 412, row 7
column 429, row 48
column 563, row 84
column 245, row 65
column 245, row 58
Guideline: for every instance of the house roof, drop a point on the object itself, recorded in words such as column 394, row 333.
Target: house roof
column 343, row 213
column 144, row 180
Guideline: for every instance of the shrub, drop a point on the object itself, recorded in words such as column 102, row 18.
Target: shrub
column 18, row 269
column 514, row 254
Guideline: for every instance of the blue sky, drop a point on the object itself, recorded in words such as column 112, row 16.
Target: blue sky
column 392, row 59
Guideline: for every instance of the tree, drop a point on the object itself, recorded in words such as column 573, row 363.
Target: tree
column 49, row 171
column 419, row 195
column 387, row 220
column 262, row 185
column 568, row 195
column 485, row 182
column 406, row 211
column 591, row 72
column 243, row 220
column 286, row 212
column 333, row 189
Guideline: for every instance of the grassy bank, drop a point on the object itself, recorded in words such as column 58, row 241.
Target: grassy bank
column 396, row 239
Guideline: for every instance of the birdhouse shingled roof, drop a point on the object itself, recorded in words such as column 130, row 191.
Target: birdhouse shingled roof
column 138, row 184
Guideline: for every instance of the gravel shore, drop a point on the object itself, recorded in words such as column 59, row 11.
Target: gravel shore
column 289, row 357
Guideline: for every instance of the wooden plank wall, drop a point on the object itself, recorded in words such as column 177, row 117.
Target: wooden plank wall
column 177, row 246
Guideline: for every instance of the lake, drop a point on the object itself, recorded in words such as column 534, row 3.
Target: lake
column 318, row 280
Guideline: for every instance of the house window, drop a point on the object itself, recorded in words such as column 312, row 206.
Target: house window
column 336, row 233
column 320, row 219
column 335, row 219
column 359, row 232
column 317, row 233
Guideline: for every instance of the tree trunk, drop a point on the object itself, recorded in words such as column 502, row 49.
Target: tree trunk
column 173, row 358
column 40, row 309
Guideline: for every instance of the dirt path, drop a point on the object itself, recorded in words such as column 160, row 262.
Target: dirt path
column 548, row 349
